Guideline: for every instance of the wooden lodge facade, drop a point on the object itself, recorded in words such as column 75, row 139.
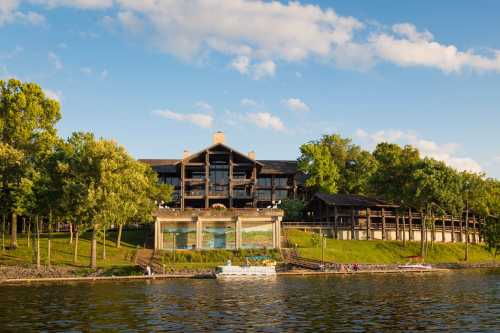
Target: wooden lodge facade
column 362, row 218
column 219, row 175
column 224, row 199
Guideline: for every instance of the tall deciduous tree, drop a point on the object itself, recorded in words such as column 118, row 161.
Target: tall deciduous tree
column 27, row 117
column 334, row 164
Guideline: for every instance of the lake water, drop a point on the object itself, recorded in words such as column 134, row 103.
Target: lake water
column 463, row 301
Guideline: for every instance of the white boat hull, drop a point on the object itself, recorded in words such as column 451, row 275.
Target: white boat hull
column 238, row 271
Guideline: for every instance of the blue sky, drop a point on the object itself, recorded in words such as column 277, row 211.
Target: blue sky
column 162, row 76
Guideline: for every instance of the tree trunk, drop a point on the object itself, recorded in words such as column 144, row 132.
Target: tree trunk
column 24, row 225
column 49, row 239
column 71, row 232
column 93, row 249
column 29, row 232
column 422, row 229
column 104, row 244
column 13, row 235
column 3, row 232
column 38, row 265
column 75, row 252
column 467, row 233
column 119, row 238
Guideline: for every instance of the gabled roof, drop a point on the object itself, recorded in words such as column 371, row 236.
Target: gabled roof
column 158, row 162
column 352, row 200
column 245, row 156
column 278, row 167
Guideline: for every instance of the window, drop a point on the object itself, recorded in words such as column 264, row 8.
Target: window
column 281, row 181
column 281, row 194
column 264, row 194
column 264, row 182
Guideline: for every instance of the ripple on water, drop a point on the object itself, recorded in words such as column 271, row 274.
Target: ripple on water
column 458, row 301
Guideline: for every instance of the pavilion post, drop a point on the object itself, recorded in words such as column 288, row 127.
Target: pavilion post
column 410, row 230
column 398, row 236
column 335, row 222
column 353, row 222
column 368, row 224
column 384, row 236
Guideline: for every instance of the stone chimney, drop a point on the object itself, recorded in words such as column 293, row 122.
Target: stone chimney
column 218, row 138
column 251, row 155
column 185, row 154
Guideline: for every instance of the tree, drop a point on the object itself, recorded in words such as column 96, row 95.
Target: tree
column 393, row 179
column 293, row 208
column 335, row 164
column 27, row 116
column 105, row 186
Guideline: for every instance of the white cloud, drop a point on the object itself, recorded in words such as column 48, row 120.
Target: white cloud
column 257, row 29
column 248, row 103
column 263, row 69
column 295, row 104
column 204, row 106
column 419, row 49
column 265, row 120
column 83, row 4
column 259, row 34
column 199, row 119
column 12, row 54
column 442, row 152
column 130, row 21
column 409, row 31
column 10, row 14
column 53, row 94
column 55, row 61
column 86, row 70
column 241, row 64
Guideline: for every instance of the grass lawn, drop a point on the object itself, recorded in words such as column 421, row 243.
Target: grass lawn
column 385, row 252
column 62, row 250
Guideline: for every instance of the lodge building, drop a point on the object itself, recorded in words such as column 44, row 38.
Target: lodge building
column 227, row 199
column 224, row 198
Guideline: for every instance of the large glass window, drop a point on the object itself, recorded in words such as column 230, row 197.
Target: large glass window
column 264, row 194
column 257, row 235
column 281, row 194
column 264, row 181
column 219, row 178
column 178, row 235
column 219, row 235
column 281, row 181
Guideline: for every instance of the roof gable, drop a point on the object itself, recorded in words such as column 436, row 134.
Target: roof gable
column 224, row 147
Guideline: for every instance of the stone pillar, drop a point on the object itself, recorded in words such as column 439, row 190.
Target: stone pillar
column 157, row 234
column 238, row 232
column 199, row 233
column 277, row 232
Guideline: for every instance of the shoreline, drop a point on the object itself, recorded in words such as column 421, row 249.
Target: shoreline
column 28, row 281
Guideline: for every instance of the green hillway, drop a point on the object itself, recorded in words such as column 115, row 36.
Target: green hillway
column 119, row 261
column 384, row 252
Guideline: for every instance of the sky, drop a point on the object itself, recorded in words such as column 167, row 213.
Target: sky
column 162, row 76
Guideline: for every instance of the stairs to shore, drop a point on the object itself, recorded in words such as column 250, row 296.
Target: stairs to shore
column 148, row 257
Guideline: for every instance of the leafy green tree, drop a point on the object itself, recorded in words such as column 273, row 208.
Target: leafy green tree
column 393, row 179
column 27, row 118
column 293, row 208
column 334, row 164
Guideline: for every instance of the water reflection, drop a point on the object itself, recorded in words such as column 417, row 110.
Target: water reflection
column 461, row 301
